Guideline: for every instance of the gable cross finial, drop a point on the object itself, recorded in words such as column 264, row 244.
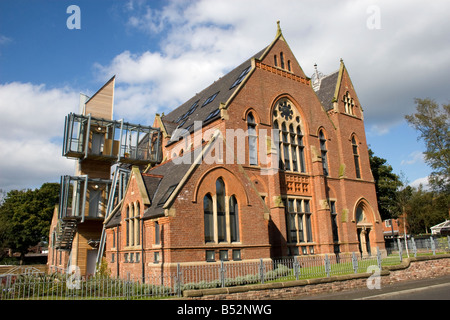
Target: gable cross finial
column 278, row 28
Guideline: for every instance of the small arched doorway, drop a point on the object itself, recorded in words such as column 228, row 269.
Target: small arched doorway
column 363, row 229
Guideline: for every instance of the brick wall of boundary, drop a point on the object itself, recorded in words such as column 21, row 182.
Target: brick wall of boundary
column 410, row 269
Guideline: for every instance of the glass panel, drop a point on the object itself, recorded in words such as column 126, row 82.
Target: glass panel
column 208, row 214
column 234, row 220
column 300, row 228
column 292, row 228
column 210, row 255
column 157, row 233
column 306, row 204
column 252, row 140
column 223, row 255
column 308, row 227
column 221, row 223
column 359, row 214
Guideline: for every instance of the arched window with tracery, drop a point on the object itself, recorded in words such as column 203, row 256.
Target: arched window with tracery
column 287, row 122
column 221, row 216
column 349, row 104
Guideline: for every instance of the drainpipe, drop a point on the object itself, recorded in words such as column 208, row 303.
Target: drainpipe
column 117, row 248
column 142, row 250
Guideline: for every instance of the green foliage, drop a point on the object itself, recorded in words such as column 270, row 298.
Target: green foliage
column 387, row 185
column 426, row 209
column 103, row 270
column 25, row 216
column 432, row 122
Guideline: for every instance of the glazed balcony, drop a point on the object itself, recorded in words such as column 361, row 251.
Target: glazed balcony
column 86, row 137
column 83, row 198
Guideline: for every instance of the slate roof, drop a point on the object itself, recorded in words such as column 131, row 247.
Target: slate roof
column 115, row 219
column 157, row 181
column 327, row 89
column 160, row 182
column 195, row 108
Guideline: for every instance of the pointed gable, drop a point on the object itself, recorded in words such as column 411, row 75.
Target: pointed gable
column 337, row 88
column 279, row 55
column 345, row 94
column 100, row 105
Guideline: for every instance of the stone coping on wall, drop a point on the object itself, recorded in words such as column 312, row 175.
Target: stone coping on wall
column 386, row 271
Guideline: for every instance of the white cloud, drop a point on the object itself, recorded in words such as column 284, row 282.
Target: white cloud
column 201, row 40
column 420, row 181
column 31, row 127
column 413, row 158
column 4, row 39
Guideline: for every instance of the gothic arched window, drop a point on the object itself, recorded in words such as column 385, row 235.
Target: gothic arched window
column 209, row 218
column 356, row 157
column 290, row 148
column 252, row 140
column 323, row 152
column 221, row 216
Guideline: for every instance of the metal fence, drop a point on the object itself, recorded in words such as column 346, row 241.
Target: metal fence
column 420, row 246
column 38, row 286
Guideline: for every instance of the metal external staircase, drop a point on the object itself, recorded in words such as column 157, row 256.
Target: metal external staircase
column 118, row 187
column 66, row 229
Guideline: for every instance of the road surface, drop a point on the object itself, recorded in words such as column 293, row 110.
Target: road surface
column 425, row 289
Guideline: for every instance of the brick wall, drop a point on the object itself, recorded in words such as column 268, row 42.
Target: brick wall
column 410, row 269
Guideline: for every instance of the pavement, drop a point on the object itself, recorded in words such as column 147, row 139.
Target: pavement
column 424, row 289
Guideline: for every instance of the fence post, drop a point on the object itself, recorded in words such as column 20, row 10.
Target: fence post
column 354, row 262
column 296, row 268
column 261, row 270
column 178, row 279
column 448, row 242
column 222, row 274
column 327, row 265
column 128, row 286
column 379, row 258
column 414, row 247
column 433, row 245
column 400, row 249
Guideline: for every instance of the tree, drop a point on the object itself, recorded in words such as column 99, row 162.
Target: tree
column 387, row 185
column 432, row 122
column 25, row 217
column 426, row 209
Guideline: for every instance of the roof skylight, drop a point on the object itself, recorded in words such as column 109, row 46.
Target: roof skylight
column 166, row 195
column 210, row 99
column 241, row 77
column 212, row 114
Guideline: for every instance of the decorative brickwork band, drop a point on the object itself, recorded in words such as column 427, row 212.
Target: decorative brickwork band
column 282, row 73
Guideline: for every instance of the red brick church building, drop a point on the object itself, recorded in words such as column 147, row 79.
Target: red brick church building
column 264, row 163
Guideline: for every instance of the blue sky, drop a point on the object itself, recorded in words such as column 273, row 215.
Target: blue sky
column 163, row 52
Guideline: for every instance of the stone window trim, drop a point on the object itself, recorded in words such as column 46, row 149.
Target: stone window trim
column 221, row 216
column 133, row 226
column 291, row 140
column 349, row 104
column 298, row 220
